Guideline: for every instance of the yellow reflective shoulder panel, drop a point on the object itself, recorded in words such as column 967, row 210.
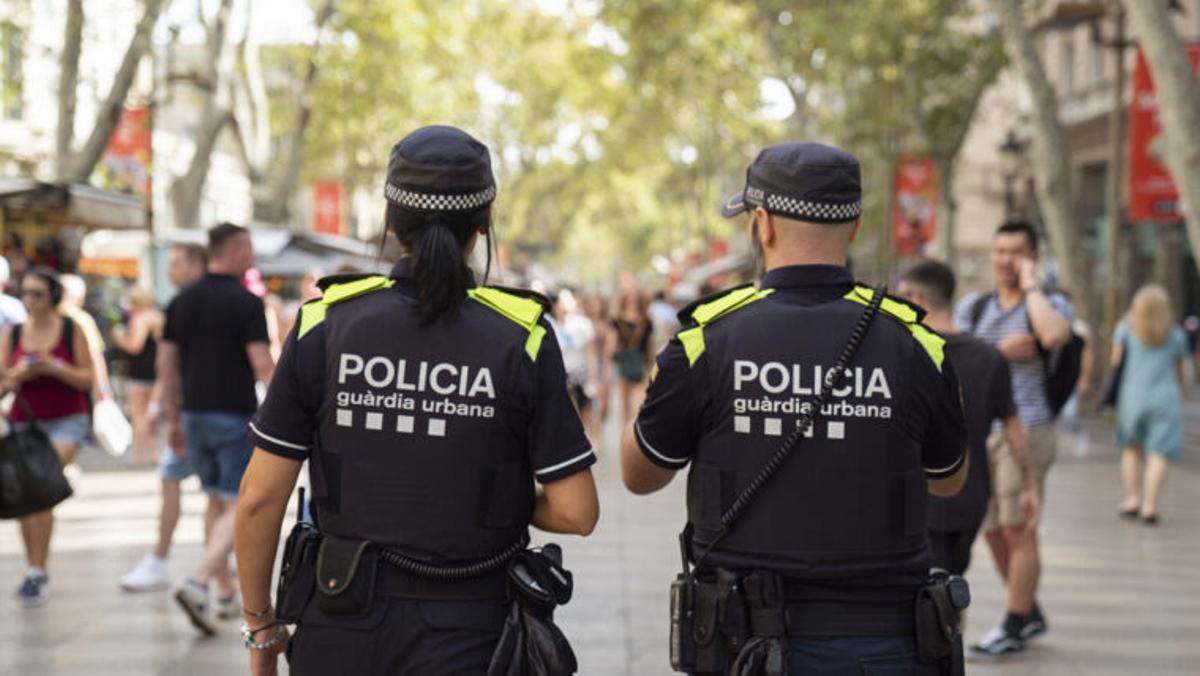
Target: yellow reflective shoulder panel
column 934, row 344
column 736, row 299
column 693, row 338
column 313, row 312
column 534, row 342
column 526, row 312
column 347, row 290
column 930, row 341
column 693, row 343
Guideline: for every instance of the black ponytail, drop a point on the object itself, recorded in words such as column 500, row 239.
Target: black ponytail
column 436, row 243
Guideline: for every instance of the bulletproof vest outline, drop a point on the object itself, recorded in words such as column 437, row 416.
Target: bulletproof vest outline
column 365, row 495
column 717, row 475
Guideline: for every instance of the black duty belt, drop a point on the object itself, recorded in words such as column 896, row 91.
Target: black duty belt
column 827, row 619
column 397, row 583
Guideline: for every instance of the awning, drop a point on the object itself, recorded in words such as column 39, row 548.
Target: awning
column 71, row 204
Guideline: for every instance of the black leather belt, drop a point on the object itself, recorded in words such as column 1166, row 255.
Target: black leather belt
column 394, row 582
column 827, row 619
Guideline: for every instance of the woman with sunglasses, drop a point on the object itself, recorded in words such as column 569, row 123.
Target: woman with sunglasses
column 46, row 361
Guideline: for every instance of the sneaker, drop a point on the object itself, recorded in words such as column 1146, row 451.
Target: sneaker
column 229, row 607
column 150, row 574
column 998, row 644
column 1035, row 625
column 192, row 597
column 34, row 590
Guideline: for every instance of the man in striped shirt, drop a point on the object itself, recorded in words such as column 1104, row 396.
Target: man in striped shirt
column 1023, row 322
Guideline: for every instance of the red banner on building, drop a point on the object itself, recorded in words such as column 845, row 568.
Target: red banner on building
column 125, row 165
column 914, row 206
column 328, row 207
column 1152, row 192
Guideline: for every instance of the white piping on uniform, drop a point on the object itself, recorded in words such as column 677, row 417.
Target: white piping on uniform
column 565, row 463
column 953, row 465
column 646, row 444
column 281, row 442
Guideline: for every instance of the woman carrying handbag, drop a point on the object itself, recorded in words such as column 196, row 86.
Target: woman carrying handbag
column 46, row 362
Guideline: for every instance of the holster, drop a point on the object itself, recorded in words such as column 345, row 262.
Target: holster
column 938, row 634
column 530, row 643
column 346, row 570
column 765, row 651
column 297, row 572
column 720, row 624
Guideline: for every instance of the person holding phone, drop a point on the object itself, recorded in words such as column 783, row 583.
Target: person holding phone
column 46, row 361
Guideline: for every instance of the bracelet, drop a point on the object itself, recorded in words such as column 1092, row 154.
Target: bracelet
column 248, row 636
column 259, row 615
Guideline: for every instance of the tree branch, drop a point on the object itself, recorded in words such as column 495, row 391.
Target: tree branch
column 110, row 112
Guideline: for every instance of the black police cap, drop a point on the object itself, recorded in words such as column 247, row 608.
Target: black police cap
column 803, row 181
column 439, row 169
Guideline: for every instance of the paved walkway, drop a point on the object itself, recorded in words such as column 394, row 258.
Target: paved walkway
column 1120, row 598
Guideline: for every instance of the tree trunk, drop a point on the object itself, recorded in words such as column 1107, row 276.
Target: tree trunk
column 188, row 188
column 110, row 112
column 1178, row 103
column 68, row 80
column 1051, row 174
column 274, row 208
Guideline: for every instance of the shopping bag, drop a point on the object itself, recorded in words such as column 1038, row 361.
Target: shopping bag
column 112, row 430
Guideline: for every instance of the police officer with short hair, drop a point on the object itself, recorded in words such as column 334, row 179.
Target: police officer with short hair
column 831, row 551
column 427, row 408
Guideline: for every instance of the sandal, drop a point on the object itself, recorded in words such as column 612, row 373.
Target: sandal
column 1150, row 519
column 1128, row 513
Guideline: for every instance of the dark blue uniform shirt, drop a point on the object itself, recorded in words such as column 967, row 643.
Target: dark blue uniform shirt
column 844, row 518
column 425, row 438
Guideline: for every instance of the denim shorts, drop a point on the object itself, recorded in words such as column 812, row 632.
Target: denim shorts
column 173, row 467
column 72, row 429
column 219, row 450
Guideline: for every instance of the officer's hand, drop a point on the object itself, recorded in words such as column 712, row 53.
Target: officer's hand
column 266, row 662
column 1018, row 347
column 1029, row 508
column 177, row 439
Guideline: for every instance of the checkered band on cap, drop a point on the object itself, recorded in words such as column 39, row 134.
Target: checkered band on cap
column 806, row 210
column 426, row 201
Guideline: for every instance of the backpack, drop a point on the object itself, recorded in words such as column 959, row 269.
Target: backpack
column 1061, row 367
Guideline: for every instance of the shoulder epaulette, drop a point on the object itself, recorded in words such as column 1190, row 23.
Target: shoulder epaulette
column 707, row 310
column 523, row 307
column 909, row 315
column 342, row 278
column 337, row 289
column 546, row 303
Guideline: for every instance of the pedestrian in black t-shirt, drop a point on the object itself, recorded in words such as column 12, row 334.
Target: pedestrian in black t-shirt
column 987, row 398
column 215, row 348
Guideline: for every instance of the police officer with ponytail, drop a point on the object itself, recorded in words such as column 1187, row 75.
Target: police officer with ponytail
column 436, row 421
column 815, row 415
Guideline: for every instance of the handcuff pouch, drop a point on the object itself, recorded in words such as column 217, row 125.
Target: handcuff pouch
column 346, row 570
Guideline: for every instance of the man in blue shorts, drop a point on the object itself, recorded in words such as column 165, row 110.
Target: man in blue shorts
column 215, row 348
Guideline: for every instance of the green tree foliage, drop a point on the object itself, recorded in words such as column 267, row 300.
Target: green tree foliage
column 617, row 126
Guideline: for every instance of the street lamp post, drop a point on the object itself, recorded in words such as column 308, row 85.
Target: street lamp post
column 1011, row 155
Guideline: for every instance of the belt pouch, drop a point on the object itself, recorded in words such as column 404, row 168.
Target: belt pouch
column 936, row 624
column 297, row 572
column 720, row 621
column 346, row 576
